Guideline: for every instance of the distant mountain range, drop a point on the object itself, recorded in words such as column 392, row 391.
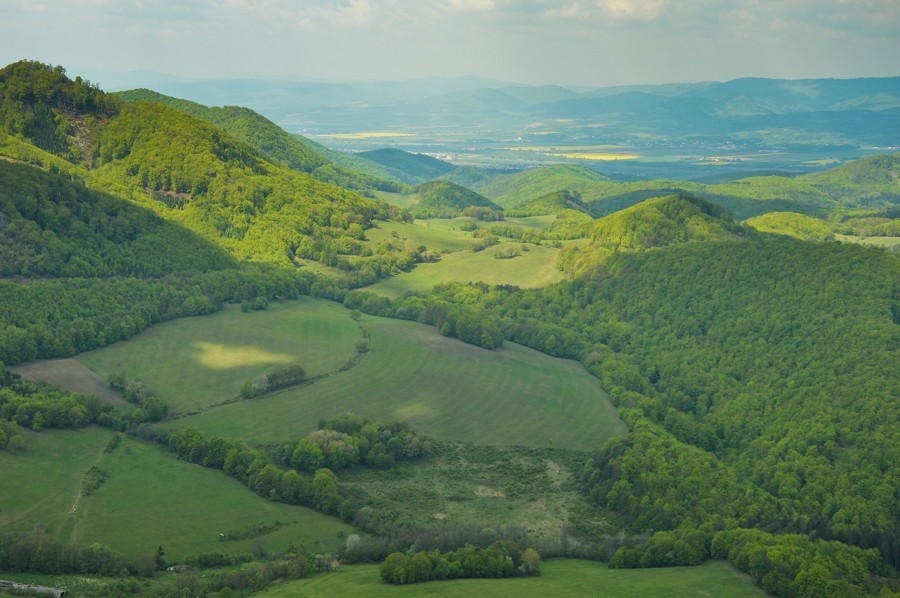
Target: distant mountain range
column 757, row 113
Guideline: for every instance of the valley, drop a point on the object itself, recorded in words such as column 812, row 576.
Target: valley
column 665, row 360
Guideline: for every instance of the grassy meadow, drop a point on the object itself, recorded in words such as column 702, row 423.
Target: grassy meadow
column 558, row 578
column 536, row 489
column 511, row 396
column 194, row 362
column 533, row 268
column 147, row 499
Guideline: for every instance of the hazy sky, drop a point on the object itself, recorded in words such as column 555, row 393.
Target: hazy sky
column 576, row 42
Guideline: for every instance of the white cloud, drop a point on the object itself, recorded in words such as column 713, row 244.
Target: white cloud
column 633, row 10
column 470, row 5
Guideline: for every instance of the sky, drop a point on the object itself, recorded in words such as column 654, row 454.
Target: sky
column 567, row 42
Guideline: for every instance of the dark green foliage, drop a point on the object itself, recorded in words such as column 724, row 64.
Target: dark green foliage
column 551, row 203
column 440, row 199
column 37, row 406
column 40, row 320
column 502, row 559
column 294, row 151
column 40, row 552
column 345, row 441
column 38, row 102
column 50, row 226
column 794, row 565
column 468, row 324
column 227, row 191
column 871, row 182
column 243, row 124
column 757, row 376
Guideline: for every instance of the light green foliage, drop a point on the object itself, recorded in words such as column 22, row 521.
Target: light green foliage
column 411, row 373
column 652, row 224
column 558, row 578
column 800, row 226
column 294, row 151
column 870, row 182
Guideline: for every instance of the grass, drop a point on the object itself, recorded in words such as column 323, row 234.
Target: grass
column 148, row 499
column 43, row 481
column 195, row 362
column 533, row 268
column 511, row 396
column 71, row 375
column 436, row 235
column 151, row 499
column 558, row 578
column 536, row 489
column 888, row 242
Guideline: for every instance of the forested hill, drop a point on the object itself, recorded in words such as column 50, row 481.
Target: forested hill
column 52, row 227
column 115, row 216
column 253, row 128
column 184, row 169
column 759, row 378
column 652, row 224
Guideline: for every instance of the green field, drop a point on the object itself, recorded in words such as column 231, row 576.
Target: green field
column 195, row 362
column 888, row 242
column 537, row 489
column 534, row 268
column 148, row 499
column 558, row 578
column 511, row 396
column 442, row 236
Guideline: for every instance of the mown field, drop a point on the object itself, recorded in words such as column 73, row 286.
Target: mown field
column 148, row 499
column 558, row 578
column 534, row 267
column 195, row 362
column 511, row 396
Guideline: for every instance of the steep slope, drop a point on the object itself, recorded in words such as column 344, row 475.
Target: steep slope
column 51, row 227
column 514, row 190
column 408, row 167
column 292, row 150
column 552, row 203
column 192, row 172
column 449, row 197
column 872, row 182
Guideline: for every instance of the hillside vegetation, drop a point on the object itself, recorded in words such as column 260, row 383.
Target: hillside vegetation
column 752, row 378
column 800, row 226
column 652, row 224
column 408, row 167
column 291, row 150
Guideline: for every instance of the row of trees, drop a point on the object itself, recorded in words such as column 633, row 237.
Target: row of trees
column 502, row 559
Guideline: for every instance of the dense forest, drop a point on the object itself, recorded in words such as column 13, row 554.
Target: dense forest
column 758, row 374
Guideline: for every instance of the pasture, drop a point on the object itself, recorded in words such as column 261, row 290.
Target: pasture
column 536, row 489
column 510, row 396
column 564, row 577
column 148, row 499
column 533, row 268
column 192, row 363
